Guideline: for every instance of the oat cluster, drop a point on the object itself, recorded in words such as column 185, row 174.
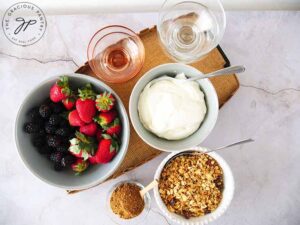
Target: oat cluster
column 191, row 185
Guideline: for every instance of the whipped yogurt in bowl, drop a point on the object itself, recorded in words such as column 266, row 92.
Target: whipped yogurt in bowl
column 172, row 108
column 170, row 113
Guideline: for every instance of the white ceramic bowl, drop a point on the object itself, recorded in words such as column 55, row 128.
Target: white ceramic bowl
column 40, row 166
column 225, row 202
column 207, row 125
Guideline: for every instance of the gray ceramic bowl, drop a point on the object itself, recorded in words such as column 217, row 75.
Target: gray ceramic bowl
column 207, row 125
column 40, row 166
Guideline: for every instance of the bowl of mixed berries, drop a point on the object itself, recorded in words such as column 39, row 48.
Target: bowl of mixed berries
column 72, row 131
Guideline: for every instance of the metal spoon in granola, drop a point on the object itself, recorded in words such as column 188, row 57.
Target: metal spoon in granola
column 212, row 150
column 155, row 182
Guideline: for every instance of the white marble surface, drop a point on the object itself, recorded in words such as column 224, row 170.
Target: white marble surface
column 64, row 7
column 266, row 107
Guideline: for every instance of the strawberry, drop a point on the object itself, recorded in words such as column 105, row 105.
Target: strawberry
column 79, row 166
column 107, row 149
column 85, row 105
column 89, row 129
column 82, row 146
column 69, row 103
column 60, row 90
column 74, row 119
column 114, row 128
column 105, row 118
column 99, row 135
column 105, row 102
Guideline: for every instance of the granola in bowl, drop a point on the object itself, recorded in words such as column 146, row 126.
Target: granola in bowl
column 176, row 176
column 191, row 185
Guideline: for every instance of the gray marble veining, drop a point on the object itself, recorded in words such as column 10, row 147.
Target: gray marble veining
column 266, row 107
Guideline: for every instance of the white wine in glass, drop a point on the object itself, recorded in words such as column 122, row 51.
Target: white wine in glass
column 188, row 30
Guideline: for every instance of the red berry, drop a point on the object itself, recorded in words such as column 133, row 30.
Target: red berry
column 99, row 135
column 105, row 102
column 69, row 103
column 107, row 149
column 114, row 128
column 105, row 118
column 85, row 105
column 86, row 109
column 74, row 119
column 60, row 90
column 79, row 166
column 89, row 129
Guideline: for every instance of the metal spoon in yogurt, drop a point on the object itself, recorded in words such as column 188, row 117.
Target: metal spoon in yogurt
column 226, row 71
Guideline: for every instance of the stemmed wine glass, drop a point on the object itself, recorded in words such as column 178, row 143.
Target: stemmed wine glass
column 188, row 30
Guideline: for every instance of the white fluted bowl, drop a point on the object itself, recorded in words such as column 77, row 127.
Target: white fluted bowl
column 225, row 202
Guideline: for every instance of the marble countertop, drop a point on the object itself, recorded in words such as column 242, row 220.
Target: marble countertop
column 266, row 107
column 64, row 7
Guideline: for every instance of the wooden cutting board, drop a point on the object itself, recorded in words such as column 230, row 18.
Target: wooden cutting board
column 139, row 152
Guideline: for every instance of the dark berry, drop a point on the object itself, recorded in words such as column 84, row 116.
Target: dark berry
column 34, row 114
column 45, row 111
column 66, row 141
column 41, row 132
column 64, row 123
column 54, row 141
column 54, row 119
column 64, row 131
column 47, row 101
column 56, row 157
column 31, row 128
column 49, row 128
column 38, row 141
column 63, row 148
column 68, row 160
column 58, row 167
column 45, row 150
column 56, row 107
column 71, row 136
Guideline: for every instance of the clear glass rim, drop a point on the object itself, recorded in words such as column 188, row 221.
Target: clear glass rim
column 104, row 32
column 130, row 33
column 164, row 8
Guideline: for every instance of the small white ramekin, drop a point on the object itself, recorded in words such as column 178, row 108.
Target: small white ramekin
column 135, row 220
column 225, row 202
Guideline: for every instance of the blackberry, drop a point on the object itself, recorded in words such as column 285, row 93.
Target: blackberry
column 56, row 157
column 45, row 150
column 64, row 131
column 49, row 128
column 54, row 119
column 34, row 114
column 56, row 107
column 31, row 128
column 38, row 141
column 71, row 136
column 58, row 167
column 45, row 111
column 63, row 148
column 68, row 160
column 54, row 141
column 64, row 123
column 41, row 132
column 47, row 101
column 66, row 141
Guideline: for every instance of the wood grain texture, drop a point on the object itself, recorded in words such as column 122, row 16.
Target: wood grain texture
column 139, row 152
